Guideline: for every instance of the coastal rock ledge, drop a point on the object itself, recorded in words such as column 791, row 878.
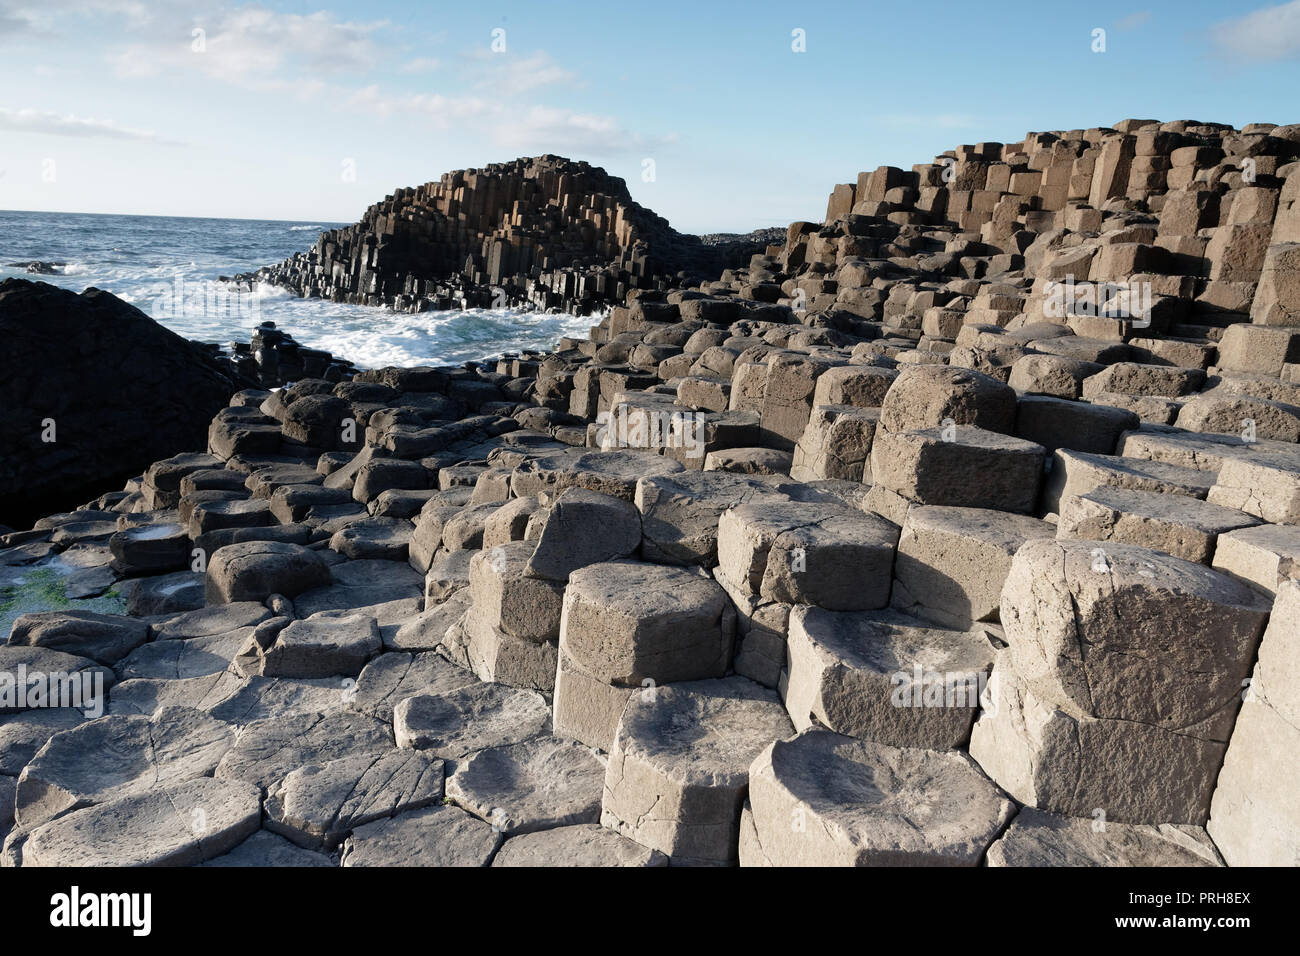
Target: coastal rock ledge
column 877, row 551
column 93, row 390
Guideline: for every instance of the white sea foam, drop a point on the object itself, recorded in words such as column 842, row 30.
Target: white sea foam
column 140, row 258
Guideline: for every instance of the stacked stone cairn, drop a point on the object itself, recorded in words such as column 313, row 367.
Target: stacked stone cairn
column 880, row 551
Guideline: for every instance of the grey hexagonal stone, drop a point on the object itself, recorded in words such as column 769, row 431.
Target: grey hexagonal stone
column 584, row 845
column 116, row 757
column 180, row 824
column 435, row 836
column 883, row 676
column 1036, row 838
column 535, row 785
column 823, row 799
column 391, row 678
column 679, row 767
column 625, row 622
column 268, row 750
column 459, row 722
column 264, row 848
column 317, row 805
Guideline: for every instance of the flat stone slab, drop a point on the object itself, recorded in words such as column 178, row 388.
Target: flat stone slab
column 823, row 799
column 180, row 824
column 148, row 695
column 211, row 621
column 362, row 583
column 391, row 678
column 462, row 721
column 435, row 836
column 1036, row 838
column 386, row 539
column 264, row 849
column 115, row 757
column 263, row 698
column 749, row 461
column 105, row 638
column 21, row 689
column 316, row 806
column 425, row 631
column 176, row 659
column 606, row 472
column 583, row 845
column 23, row 734
column 1186, row 528
column 679, row 766
column 535, row 785
column 269, row 750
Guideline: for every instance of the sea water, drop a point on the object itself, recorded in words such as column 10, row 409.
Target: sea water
column 145, row 260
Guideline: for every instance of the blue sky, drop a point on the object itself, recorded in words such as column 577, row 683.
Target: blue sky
column 312, row 111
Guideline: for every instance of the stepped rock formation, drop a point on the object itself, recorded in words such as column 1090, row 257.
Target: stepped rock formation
column 93, row 391
column 958, row 529
column 546, row 231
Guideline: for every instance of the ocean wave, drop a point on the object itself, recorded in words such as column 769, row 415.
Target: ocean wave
column 165, row 267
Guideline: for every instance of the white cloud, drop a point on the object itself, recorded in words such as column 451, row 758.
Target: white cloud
column 575, row 134
column 253, row 46
column 506, row 74
column 56, row 124
column 420, row 64
column 1270, row 33
column 245, row 44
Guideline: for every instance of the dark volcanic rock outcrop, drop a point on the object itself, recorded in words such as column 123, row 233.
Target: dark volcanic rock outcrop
column 546, row 230
column 93, row 391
